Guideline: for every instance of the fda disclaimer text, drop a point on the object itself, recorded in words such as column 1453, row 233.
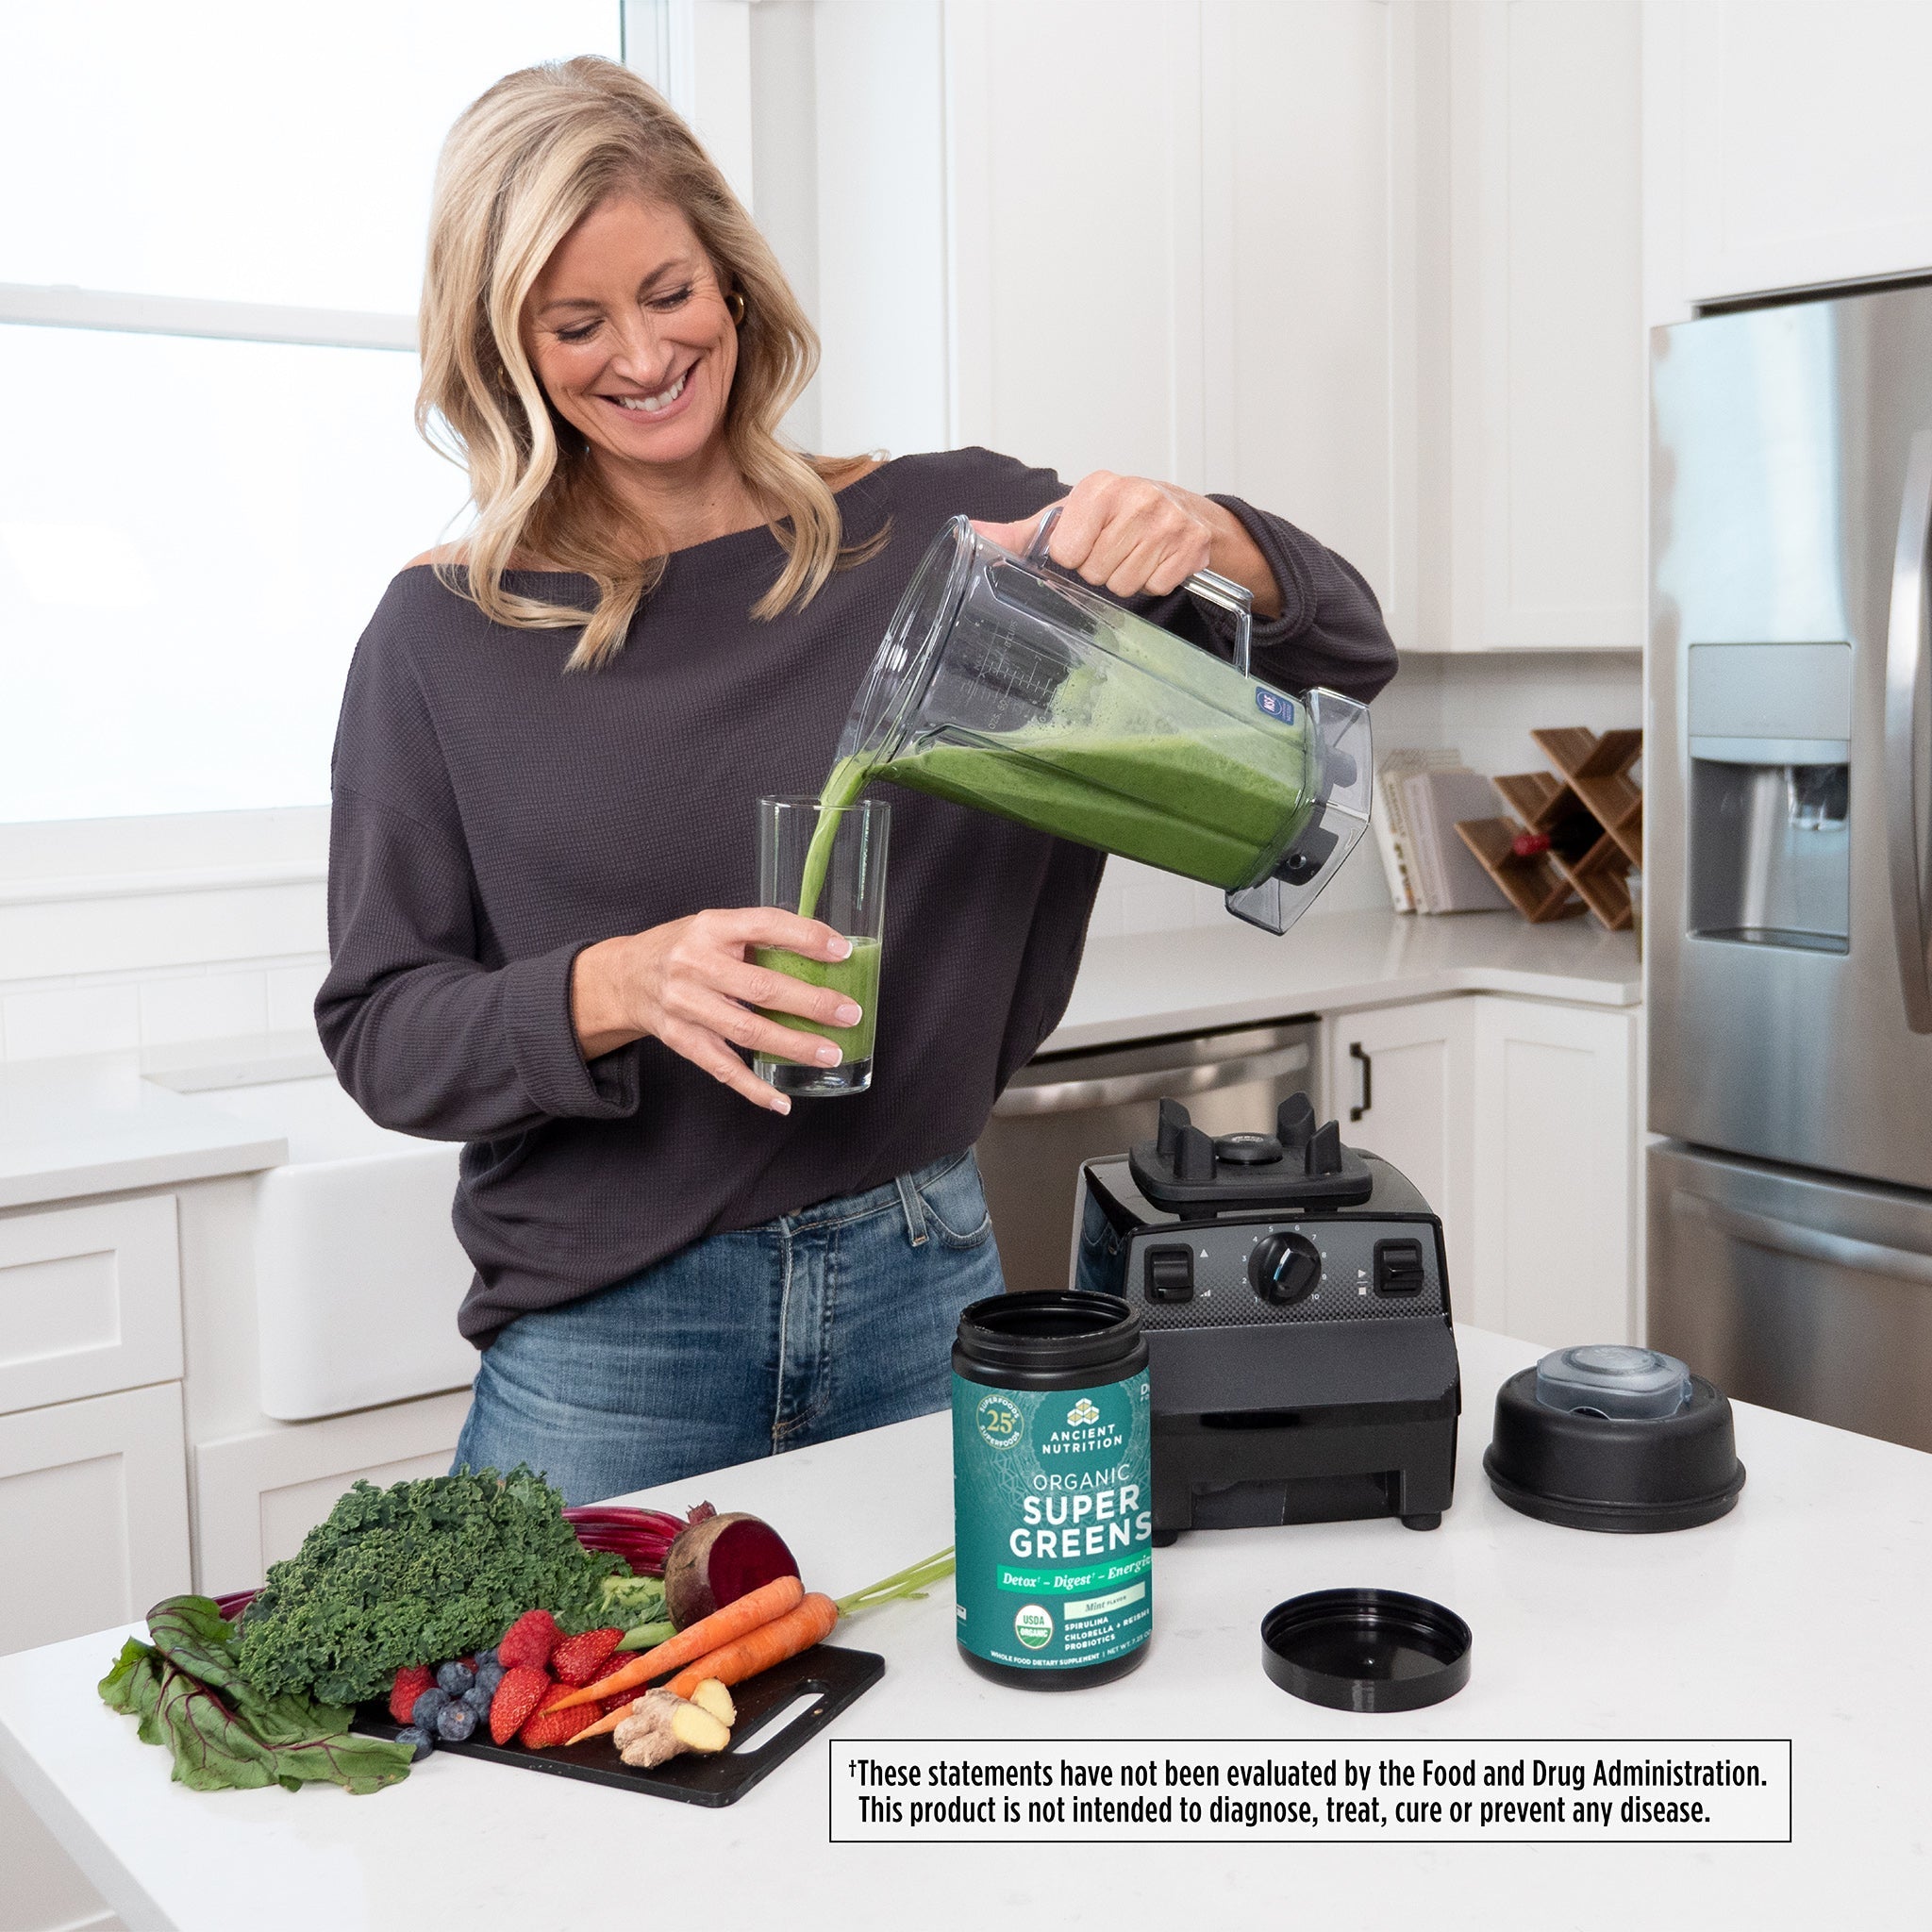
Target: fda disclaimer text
column 1493, row 1790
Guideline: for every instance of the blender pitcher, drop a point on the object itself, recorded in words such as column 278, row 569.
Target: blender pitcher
column 1008, row 684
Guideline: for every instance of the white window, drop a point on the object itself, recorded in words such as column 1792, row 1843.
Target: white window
column 210, row 247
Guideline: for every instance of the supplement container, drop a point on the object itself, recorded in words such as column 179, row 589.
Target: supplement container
column 1053, row 1493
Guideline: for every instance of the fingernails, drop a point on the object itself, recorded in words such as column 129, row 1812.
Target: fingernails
column 828, row 1055
column 841, row 949
column 779, row 1103
column 847, row 1015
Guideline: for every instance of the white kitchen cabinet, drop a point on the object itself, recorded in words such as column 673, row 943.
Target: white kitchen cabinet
column 1534, row 499
column 1152, row 236
column 1554, row 1125
column 90, row 1300
column 1399, row 1083
column 1517, row 1119
column 93, row 1513
column 257, row 1494
column 1788, row 142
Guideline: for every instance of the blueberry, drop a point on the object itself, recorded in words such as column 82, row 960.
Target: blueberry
column 455, row 1678
column 418, row 1739
column 453, row 1722
column 487, row 1677
column 428, row 1708
column 486, row 1656
column 476, row 1701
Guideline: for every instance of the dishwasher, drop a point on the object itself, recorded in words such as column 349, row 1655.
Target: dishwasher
column 1063, row 1108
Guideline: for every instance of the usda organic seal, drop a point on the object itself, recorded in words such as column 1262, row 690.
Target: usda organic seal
column 1033, row 1625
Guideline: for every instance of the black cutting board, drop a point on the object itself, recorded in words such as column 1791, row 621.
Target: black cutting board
column 833, row 1677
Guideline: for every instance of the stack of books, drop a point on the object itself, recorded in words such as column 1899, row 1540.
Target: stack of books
column 1418, row 797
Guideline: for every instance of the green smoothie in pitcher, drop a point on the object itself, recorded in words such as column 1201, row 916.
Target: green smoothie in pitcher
column 1187, row 804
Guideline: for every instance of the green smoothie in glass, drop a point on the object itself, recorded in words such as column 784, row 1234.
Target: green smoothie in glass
column 824, row 859
column 857, row 977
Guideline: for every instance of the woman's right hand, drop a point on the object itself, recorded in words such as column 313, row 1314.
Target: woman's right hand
column 692, row 984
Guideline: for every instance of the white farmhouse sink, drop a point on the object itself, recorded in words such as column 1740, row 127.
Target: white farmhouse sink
column 357, row 1272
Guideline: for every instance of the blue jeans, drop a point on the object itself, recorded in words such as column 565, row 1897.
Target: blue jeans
column 814, row 1325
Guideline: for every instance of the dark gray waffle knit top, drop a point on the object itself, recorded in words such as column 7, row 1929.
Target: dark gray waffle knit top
column 494, row 816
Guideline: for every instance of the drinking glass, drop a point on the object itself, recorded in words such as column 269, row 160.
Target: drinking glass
column 825, row 862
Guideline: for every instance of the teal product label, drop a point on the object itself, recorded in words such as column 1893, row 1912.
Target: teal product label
column 1052, row 1510
column 1274, row 704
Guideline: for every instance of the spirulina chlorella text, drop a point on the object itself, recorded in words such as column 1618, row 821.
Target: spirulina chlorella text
column 1500, row 1790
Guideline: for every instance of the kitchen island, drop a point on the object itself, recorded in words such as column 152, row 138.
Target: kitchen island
column 1747, row 1628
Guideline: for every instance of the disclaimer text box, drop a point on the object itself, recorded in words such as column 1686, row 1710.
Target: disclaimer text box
column 1502, row 1790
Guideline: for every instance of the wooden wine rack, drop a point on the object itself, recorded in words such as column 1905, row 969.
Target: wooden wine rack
column 1593, row 816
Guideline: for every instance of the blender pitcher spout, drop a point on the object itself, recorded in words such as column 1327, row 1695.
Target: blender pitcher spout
column 1345, row 752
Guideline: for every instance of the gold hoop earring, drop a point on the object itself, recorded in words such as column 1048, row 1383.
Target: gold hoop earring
column 735, row 303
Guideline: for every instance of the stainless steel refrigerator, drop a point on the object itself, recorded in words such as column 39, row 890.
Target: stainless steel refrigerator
column 1790, row 828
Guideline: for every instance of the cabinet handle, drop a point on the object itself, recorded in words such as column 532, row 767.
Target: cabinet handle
column 1368, row 1066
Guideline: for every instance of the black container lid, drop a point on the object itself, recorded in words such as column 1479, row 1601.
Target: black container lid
column 1368, row 1650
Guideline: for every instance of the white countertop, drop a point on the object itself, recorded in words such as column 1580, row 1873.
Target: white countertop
column 91, row 1127
column 1230, row 974
column 1797, row 1616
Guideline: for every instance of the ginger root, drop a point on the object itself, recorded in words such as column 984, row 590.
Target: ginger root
column 711, row 1695
column 660, row 1726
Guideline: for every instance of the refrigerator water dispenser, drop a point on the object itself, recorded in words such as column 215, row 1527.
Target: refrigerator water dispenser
column 1769, row 741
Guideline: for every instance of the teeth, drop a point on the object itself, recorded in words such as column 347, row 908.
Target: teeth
column 651, row 405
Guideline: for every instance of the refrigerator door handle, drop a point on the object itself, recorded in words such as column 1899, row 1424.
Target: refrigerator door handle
column 1905, row 668
column 1806, row 1243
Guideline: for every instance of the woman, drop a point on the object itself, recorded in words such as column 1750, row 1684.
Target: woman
column 541, row 864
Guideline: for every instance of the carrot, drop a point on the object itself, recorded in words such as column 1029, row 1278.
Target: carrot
column 720, row 1627
column 811, row 1622
column 609, row 1721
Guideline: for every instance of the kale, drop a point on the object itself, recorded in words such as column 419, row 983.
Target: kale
column 190, row 1695
column 416, row 1575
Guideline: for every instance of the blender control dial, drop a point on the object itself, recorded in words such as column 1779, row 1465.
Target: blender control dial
column 1284, row 1268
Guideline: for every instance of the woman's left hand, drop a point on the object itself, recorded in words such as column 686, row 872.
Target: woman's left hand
column 1131, row 534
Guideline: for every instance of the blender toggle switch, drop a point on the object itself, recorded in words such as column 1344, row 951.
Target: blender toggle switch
column 1170, row 1275
column 1399, row 1267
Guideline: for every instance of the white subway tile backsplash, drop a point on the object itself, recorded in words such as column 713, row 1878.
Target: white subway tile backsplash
column 1153, row 901
column 292, row 994
column 207, row 1005
column 54, row 1023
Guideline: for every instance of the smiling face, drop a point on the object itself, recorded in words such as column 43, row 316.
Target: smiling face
column 629, row 332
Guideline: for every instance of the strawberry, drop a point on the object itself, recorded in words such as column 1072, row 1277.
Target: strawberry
column 411, row 1681
column 529, row 1640
column 579, row 1660
column 622, row 1701
column 548, row 1728
column 522, row 1690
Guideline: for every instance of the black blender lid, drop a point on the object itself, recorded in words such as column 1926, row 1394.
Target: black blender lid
column 1368, row 1650
column 1631, row 1474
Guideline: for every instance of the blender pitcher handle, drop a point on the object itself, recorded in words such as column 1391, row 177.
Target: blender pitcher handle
column 1208, row 585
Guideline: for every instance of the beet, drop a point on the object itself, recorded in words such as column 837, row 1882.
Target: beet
column 719, row 1560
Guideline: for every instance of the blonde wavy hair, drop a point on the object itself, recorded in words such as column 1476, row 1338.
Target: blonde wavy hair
column 523, row 165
